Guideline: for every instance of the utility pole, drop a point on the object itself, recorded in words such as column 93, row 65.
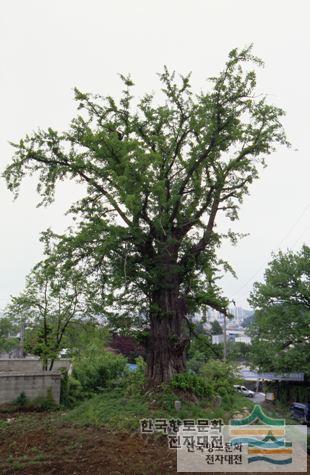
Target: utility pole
column 225, row 339
column 22, row 341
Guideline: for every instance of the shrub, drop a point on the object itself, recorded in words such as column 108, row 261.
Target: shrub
column 192, row 383
column 221, row 375
column 40, row 403
column 196, row 361
column 75, row 392
column 136, row 379
column 97, row 371
column 21, row 400
column 71, row 390
column 43, row 403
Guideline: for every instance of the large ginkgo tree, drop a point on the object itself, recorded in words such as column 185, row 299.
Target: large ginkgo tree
column 158, row 173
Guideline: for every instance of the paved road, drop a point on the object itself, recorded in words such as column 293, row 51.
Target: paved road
column 259, row 398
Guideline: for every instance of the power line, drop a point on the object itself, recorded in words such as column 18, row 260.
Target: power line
column 281, row 242
column 300, row 236
column 295, row 224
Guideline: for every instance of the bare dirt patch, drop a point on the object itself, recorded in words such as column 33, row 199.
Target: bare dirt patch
column 41, row 444
column 38, row 444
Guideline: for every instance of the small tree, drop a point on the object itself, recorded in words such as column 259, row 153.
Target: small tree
column 8, row 334
column 50, row 303
column 281, row 325
column 127, row 346
column 157, row 176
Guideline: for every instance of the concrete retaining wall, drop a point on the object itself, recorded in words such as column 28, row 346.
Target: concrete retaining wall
column 32, row 384
column 30, row 365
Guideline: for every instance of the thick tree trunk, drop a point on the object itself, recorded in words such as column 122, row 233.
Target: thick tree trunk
column 167, row 342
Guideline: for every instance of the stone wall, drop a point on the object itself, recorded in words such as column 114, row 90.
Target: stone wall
column 32, row 384
column 24, row 365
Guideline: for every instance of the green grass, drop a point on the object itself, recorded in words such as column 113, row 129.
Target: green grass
column 122, row 413
column 3, row 424
column 112, row 409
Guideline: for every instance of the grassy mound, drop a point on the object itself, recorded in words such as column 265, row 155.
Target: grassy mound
column 119, row 411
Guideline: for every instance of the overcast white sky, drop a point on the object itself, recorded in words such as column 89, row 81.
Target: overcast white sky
column 47, row 48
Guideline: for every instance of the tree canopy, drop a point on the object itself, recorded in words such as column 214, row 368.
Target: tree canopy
column 281, row 326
